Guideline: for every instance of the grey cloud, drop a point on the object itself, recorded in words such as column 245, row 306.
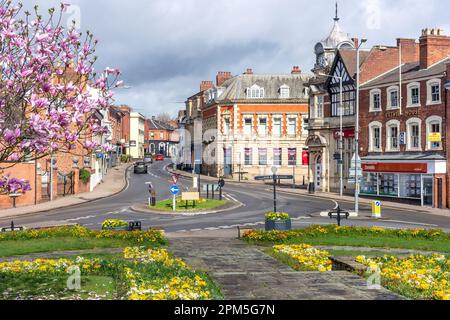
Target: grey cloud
column 166, row 47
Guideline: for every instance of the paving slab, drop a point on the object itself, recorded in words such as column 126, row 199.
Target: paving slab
column 245, row 273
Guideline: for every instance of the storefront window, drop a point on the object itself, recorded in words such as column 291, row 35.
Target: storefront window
column 410, row 186
column 369, row 184
column 388, row 184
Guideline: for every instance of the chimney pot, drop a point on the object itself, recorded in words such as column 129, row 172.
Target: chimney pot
column 296, row 70
column 222, row 77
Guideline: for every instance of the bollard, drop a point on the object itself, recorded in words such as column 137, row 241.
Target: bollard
column 339, row 214
column 207, row 191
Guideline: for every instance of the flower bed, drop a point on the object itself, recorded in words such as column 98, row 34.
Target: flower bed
column 142, row 274
column 155, row 237
column 114, row 224
column 318, row 231
column 306, row 257
column 417, row 277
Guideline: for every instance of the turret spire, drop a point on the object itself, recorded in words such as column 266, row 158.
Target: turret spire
column 336, row 18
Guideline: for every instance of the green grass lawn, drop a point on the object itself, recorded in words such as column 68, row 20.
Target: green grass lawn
column 24, row 247
column 166, row 205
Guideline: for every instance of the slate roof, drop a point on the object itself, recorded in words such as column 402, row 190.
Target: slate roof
column 349, row 59
column 236, row 88
column 410, row 71
column 159, row 125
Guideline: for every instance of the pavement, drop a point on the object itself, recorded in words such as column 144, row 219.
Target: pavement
column 245, row 272
column 113, row 183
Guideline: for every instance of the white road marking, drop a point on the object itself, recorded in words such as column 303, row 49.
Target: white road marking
column 413, row 223
column 80, row 218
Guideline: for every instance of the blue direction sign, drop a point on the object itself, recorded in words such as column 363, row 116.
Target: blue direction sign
column 175, row 190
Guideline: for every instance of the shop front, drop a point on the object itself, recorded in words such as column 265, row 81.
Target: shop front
column 423, row 183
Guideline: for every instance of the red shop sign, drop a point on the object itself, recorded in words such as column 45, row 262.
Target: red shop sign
column 396, row 167
column 348, row 133
column 305, row 158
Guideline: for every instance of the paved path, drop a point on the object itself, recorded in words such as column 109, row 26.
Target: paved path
column 113, row 183
column 246, row 273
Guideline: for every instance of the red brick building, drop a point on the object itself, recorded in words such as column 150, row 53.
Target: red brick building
column 404, row 124
column 252, row 123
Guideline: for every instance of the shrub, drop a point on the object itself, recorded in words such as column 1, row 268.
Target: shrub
column 85, row 176
column 114, row 223
column 125, row 158
column 277, row 216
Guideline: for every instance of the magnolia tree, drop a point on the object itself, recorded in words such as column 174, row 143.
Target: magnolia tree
column 49, row 90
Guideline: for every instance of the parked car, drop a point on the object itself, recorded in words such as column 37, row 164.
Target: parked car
column 159, row 157
column 140, row 168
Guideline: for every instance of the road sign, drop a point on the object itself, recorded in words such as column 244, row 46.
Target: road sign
column 376, row 209
column 190, row 196
column 175, row 178
column 175, row 190
column 285, row 177
column 260, row 178
column 277, row 177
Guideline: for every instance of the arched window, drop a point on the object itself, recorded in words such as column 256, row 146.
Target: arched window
column 393, row 97
column 255, row 92
column 433, row 91
column 413, row 133
column 414, row 94
column 375, row 100
column 375, row 136
column 393, row 136
column 434, row 133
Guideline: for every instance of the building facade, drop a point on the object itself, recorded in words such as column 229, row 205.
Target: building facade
column 137, row 135
column 404, row 127
column 162, row 138
column 252, row 123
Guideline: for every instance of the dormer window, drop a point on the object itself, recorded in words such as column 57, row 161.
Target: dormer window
column 285, row 92
column 255, row 92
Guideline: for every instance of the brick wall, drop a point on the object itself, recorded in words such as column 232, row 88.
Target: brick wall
column 382, row 60
column 434, row 47
column 384, row 116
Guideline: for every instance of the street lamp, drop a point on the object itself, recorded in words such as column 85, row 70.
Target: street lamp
column 357, row 182
column 274, row 171
column 341, row 135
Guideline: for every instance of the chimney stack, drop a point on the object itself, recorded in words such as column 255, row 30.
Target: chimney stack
column 222, row 77
column 410, row 50
column 434, row 47
column 296, row 70
column 249, row 71
column 356, row 42
column 206, row 85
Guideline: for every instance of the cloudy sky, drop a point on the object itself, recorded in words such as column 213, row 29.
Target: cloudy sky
column 165, row 48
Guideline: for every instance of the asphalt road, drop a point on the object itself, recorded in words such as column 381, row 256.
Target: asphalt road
column 256, row 200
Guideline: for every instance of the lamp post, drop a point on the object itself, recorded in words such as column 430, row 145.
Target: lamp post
column 274, row 171
column 357, row 182
column 341, row 135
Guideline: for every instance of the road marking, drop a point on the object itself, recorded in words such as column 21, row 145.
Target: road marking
column 80, row 218
column 413, row 223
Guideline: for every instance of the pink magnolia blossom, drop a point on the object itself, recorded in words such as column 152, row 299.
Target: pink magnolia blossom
column 45, row 105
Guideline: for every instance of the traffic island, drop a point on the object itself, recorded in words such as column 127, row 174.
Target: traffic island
column 201, row 207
